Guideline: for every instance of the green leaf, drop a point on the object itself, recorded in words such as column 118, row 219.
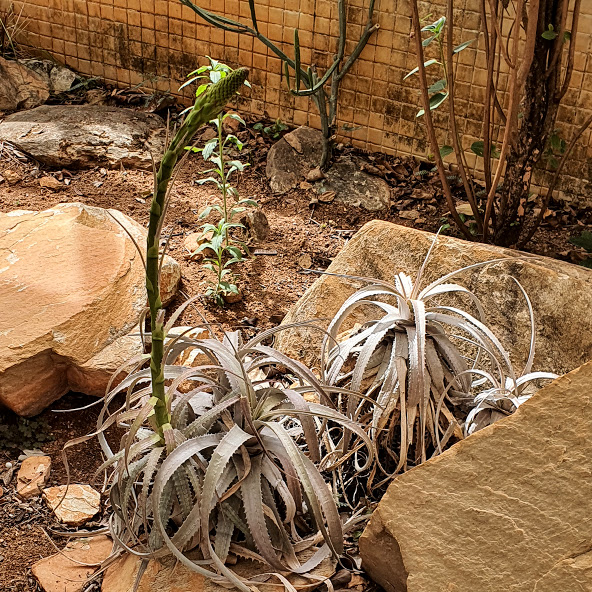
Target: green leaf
column 435, row 101
column 549, row 34
column 235, row 116
column 425, row 65
column 553, row 162
column 235, row 252
column 566, row 36
column 479, row 149
column 237, row 164
column 209, row 149
column 205, row 213
column 446, row 150
column 248, row 202
column 436, row 26
column 584, row 240
column 428, row 40
column 437, row 86
column 462, row 46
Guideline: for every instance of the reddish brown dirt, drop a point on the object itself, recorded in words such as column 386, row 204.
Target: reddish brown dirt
column 270, row 284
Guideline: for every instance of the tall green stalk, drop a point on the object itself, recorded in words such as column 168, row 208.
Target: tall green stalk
column 207, row 106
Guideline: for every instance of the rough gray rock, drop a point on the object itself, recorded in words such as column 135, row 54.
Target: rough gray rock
column 560, row 293
column 58, row 78
column 292, row 157
column 256, row 224
column 354, row 187
column 72, row 289
column 20, row 87
column 296, row 157
column 506, row 509
column 82, row 136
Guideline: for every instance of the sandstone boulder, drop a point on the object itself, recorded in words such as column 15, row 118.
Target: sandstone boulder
column 560, row 293
column 20, row 87
column 82, row 136
column 68, row 570
column 71, row 292
column 506, row 509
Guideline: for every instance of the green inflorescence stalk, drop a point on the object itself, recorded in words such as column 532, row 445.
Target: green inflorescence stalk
column 207, row 106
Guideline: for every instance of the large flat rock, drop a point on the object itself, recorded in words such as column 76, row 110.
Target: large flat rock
column 83, row 136
column 506, row 509
column 71, row 291
column 560, row 293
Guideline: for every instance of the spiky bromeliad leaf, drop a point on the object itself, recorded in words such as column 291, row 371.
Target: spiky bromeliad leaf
column 232, row 474
column 421, row 366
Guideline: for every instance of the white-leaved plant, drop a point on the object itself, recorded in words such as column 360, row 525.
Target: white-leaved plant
column 420, row 366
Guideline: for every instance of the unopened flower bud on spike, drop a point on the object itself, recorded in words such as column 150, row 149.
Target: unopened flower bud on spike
column 223, row 91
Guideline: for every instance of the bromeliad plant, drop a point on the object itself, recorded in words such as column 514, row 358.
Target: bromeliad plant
column 231, row 472
column 216, row 238
column 217, row 459
column 420, row 365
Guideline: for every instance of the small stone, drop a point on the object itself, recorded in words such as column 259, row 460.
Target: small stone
column 32, row 476
column 233, row 297
column 62, row 573
column 13, row 177
column 61, row 79
column 256, row 224
column 208, row 134
column 80, row 504
column 50, row 183
column 315, row 175
column 305, row 261
column 409, row 214
column 276, row 319
column 231, row 125
column 327, row 196
column 193, row 241
column 465, row 209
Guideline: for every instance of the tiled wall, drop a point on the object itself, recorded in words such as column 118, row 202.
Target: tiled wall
column 155, row 43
